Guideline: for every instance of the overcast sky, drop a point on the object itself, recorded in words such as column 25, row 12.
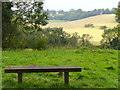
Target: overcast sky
column 79, row 4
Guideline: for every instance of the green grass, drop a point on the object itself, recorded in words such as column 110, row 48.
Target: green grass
column 99, row 68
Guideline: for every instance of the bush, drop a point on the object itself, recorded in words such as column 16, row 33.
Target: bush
column 103, row 27
column 89, row 25
column 11, row 37
column 36, row 42
column 111, row 39
column 40, row 43
column 57, row 37
column 85, row 41
column 48, row 37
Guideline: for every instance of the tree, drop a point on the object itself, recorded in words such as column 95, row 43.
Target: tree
column 8, row 30
column 30, row 16
column 111, row 38
column 85, row 40
column 27, row 18
column 6, row 12
column 118, row 13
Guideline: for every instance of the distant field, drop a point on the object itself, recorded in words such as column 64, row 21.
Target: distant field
column 99, row 68
column 57, row 21
column 78, row 25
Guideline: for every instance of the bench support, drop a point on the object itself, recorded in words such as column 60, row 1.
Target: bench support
column 19, row 77
column 66, row 77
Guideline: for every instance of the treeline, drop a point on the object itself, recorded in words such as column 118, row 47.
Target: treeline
column 56, row 37
column 44, row 39
column 76, row 14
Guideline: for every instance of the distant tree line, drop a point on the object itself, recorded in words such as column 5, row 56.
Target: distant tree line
column 77, row 14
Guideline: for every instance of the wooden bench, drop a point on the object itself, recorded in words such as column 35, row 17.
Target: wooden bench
column 29, row 69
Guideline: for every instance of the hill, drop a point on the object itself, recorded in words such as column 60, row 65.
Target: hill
column 73, row 14
column 79, row 26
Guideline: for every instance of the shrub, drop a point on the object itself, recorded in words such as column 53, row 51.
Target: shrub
column 12, row 37
column 40, row 43
column 89, row 25
column 85, row 41
column 111, row 39
column 103, row 27
column 36, row 42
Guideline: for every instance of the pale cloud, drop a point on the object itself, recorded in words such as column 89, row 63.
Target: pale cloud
column 79, row 4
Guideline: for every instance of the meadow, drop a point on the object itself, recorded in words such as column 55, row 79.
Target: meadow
column 99, row 68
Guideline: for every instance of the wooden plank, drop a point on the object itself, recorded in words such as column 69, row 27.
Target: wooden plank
column 42, row 67
column 19, row 77
column 66, row 77
column 28, row 69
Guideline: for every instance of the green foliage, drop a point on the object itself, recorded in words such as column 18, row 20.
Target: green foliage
column 58, row 37
column 7, row 33
column 6, row 12
column 73, row 40
column 11, row 37
column 99, row 68
column 26, row 19
column 118, row 13
column 30, row 15
column 47, row 38
column 111, row 38
column 39, row 43
column 85, row 40
column 115, row 43
column 54, row 35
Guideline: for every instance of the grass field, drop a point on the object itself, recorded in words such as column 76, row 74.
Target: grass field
column 99, row 68
column 78, row 25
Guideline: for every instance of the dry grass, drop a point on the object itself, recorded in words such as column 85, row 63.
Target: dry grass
column 78, row 25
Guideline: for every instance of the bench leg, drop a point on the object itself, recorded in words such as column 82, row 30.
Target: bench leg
column 19, row 77
column 66, row 77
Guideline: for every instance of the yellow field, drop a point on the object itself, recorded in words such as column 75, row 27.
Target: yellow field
column 78, row 26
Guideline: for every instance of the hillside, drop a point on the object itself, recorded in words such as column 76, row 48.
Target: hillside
column 73, row 14
column 78, row 26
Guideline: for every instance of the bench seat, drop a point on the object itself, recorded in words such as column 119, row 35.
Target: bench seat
column 37, row 69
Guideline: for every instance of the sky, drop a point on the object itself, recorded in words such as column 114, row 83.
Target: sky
column 85, row 5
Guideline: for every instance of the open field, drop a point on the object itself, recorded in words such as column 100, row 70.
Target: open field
column 78, row 25
column 99, row 68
